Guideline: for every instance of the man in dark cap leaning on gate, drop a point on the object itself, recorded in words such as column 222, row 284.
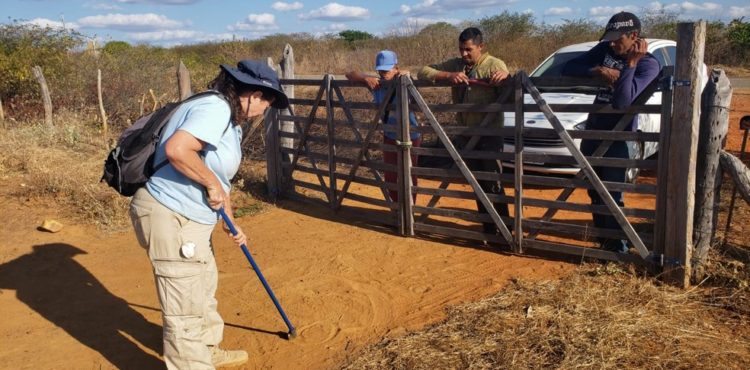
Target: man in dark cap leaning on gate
column 621, row 60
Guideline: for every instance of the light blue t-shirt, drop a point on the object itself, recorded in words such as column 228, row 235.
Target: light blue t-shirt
column 207, row 119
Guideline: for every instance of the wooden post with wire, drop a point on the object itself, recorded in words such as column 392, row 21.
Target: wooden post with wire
column 683, row 144
column 183, row 81
column 37, row 70
column 714, row 124
column 105, row 127
column 2, row 114
column 287, row 72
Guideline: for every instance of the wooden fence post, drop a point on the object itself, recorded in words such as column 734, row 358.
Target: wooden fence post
column 663, row 161
column 2, row 114
column 331, row 142
column 714, row 124
column 105, row 127
column 183, row 81
column 273, row 165
column 405, row 200
column 287, row 72
column 683, row 141
column 518, row 170
column 37, row 70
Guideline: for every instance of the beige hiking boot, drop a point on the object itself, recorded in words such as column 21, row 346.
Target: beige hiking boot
column 224, row 358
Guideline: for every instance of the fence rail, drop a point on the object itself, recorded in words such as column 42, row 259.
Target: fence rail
column 337, row 161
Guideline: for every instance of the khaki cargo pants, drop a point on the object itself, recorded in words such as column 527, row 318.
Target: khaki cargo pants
column 186, row 286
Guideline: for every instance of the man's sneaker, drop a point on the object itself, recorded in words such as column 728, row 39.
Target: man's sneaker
column 224, row 358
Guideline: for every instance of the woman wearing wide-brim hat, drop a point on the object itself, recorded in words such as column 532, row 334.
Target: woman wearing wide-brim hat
column 175, row 213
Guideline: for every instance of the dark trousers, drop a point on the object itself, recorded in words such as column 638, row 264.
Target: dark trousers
column 491, row 144
column 390, row 157
column 619, row 149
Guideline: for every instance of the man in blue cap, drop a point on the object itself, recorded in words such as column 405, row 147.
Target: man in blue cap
column 621, row 60
column 386, row 65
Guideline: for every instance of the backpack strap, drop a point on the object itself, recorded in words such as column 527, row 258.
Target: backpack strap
column 193, row 97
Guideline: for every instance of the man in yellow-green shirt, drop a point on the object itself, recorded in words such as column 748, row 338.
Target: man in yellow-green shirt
column 477, row 79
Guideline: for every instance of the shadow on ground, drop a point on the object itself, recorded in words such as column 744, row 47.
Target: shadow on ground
column 51, row 282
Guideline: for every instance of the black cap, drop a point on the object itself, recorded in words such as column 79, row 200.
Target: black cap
column 619, row 24
column 257, row 73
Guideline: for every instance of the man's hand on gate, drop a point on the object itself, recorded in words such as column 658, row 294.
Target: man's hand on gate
column 459, row 78
column 373, row 83
column 498, row 77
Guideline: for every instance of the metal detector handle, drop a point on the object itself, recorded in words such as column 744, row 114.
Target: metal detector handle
column 233, row 230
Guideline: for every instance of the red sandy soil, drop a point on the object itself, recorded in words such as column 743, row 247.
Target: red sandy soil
column 85, row 299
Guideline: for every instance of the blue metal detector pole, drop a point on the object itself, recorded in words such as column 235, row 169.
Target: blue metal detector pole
column 292, row 331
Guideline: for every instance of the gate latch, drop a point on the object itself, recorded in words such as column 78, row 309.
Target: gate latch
column 669, row 83
column 404, row 144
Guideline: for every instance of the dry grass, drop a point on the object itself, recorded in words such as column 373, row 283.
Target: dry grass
column 601, row 317
column 62, row 164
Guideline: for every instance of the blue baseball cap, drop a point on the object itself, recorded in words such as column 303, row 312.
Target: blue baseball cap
column 385, row 60
column 257, row 73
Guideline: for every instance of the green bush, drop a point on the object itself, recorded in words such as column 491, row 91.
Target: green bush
column 354, row 35
column 23, row 46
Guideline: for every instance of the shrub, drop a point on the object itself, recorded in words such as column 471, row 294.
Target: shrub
column 354, row 35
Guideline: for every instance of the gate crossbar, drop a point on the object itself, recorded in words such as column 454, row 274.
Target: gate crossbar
column 604, row 145
column 358, row 136
column 365, row 144
column 586, row 167
column 481, row 195
column 303, row 139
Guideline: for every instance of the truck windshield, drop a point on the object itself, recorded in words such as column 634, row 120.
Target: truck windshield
column 553, row 66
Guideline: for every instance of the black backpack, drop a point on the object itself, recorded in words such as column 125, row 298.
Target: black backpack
column 131, row 163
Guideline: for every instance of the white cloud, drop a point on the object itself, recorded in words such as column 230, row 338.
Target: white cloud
column 608, row 11
column 44, row 23
column 426, row 6
column 331, row 29
column 166, row 2
column 412, row 25
column 256, row 23
column 130, row 22
column 285, row 7
column 336, row 27
column 336, row 12
column 432, row 7
column 101, row 6
column 739, row 11
column 688, row 8
column 176, row 37
column 558, row 11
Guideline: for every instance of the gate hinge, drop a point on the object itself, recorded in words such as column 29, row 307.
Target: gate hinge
column 663, row 261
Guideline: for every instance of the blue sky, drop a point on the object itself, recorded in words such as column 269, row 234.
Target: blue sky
column 171, row 22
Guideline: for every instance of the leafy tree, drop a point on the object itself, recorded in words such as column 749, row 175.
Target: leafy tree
column 115, row 47
column 23, row 45
column 439, row 29
column 573, row 30
column 661, row 24
column 355, row 35
column 508, row 25
column 738, row 33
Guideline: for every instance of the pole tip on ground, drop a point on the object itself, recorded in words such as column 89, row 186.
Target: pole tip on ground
column 291, row 335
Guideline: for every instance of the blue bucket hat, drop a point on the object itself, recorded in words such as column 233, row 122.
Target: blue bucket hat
column 257, row 73
column 385, row 60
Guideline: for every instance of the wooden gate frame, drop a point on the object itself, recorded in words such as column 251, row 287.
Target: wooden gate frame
column 406, row 94
column 328, row 88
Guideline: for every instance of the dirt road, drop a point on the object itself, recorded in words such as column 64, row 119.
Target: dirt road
column 83, row 299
